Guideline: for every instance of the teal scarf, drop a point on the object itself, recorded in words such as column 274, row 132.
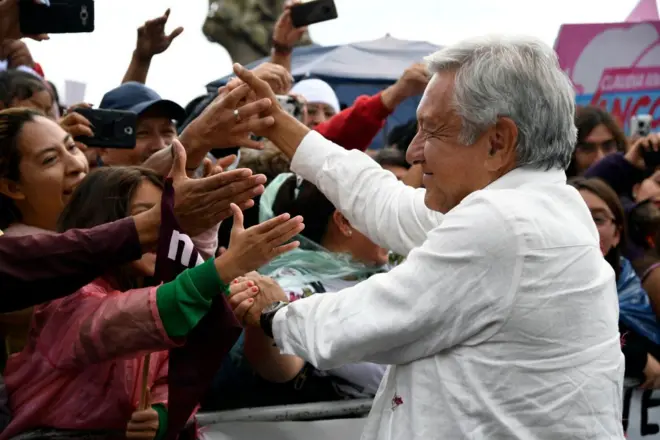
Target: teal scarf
column 311, row 262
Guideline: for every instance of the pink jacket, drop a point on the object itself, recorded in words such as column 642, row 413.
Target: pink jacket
column 82, row 366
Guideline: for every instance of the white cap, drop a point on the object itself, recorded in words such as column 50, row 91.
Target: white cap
column 316, row 90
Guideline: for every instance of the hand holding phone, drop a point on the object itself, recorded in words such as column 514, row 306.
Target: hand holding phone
column 60, row 17
column 111, row 128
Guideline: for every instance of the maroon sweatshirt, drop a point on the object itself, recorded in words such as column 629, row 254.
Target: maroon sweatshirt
column 40, row 268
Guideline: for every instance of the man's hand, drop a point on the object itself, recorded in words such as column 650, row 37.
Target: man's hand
column 151, row 38
column 9, row 22
column 16, row 53
column 249, row 249
column 200, row 204
column 278, row 78
column 413, row 82
column 284, row 34
column 251, row 294
column 285, row 131
column 219, row 126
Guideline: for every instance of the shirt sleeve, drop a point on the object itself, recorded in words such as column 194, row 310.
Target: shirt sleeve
column 457, row 287
column 390, row 213
column 46, row 267
column 182, row 303
column 354, row 128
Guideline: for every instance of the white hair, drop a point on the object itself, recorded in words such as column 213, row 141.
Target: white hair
column 519, row 78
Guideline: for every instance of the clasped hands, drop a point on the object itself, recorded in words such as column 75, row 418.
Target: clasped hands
column 251, row 294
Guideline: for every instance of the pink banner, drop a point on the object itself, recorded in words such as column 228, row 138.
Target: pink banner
column 615, row 66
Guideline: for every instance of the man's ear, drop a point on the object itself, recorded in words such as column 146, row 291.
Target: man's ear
column 503, row 138
column 11, row 189
column 342, row 223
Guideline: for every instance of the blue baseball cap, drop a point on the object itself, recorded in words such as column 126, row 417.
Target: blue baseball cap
column 138, row 98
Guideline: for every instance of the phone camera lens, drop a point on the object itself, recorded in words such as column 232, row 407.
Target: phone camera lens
column 128, row 131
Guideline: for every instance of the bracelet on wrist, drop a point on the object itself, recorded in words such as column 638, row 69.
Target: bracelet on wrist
column 281, row 49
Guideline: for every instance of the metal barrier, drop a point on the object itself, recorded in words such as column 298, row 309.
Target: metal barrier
column 304, row 412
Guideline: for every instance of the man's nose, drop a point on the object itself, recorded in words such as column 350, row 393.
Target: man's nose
column 415, row 151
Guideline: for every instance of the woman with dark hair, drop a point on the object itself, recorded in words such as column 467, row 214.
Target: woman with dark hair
column 82, row 367
column 638, row 323
column 598, row 136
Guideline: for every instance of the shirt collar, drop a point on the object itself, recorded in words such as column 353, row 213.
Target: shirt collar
column 521, row 176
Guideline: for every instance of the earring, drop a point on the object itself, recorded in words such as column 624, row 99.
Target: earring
column 350, row 233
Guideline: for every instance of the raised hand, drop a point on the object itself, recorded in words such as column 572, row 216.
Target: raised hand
column 249, row 249
column 151, row 37
column 278, row 78
column 413, row 82
column 285, row 36
column 285, row 131
column 223, row 124
column 200, row 204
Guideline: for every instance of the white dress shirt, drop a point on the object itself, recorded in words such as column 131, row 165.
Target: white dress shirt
column 501, row 324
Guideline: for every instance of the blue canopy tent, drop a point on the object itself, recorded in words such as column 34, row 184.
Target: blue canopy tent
column 356, row 69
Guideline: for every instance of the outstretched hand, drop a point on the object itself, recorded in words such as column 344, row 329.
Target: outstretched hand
column 250, row 295
column 225, row 124
column 200, row 204
column 251, row 248
column 285, row 131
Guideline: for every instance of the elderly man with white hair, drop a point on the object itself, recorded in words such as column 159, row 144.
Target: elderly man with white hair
column 502, row 322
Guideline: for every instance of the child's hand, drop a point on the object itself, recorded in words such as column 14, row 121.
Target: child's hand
column 144, row 423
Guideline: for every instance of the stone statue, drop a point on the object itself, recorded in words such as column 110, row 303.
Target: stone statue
column 244, row 27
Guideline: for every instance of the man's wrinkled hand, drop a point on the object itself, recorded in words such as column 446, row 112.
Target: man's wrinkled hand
column 277, row 77
column 200, row 204
column 251, row 294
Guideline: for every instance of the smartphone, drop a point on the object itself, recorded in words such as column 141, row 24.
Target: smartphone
column 314, row 11
column 112, row 128
column 292, row 105
column 61, row 17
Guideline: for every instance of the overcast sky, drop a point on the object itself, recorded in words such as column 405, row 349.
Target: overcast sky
column 100, row 59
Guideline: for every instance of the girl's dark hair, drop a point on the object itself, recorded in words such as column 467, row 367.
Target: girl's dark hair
column 305, row 200
column 602, row 190
column 586, row 119
column 11, row 123
column 105, row 196
column 16, row 84
column 644, row 224
column 392, row 157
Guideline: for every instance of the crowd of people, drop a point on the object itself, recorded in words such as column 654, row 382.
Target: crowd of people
column 82, row 303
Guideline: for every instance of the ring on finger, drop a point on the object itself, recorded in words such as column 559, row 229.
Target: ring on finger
column 237, row 115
